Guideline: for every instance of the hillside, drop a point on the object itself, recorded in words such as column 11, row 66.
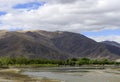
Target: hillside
column 113, row 43
column 53, row 45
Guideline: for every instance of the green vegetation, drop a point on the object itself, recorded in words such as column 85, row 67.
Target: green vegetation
column 23, row 61
column 87, row 61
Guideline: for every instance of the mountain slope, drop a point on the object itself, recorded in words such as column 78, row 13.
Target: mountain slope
column 54, row 45
column 81, row 46
column 19, row 44
column 113, row 43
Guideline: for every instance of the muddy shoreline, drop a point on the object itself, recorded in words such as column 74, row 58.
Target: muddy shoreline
column 15, row 74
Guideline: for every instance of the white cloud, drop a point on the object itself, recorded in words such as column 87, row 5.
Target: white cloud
column 69, row 15
column 107, row 38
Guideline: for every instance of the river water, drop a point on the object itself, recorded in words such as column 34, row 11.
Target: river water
column 74, row 74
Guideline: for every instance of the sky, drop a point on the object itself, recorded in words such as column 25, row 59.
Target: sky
column 97, row 19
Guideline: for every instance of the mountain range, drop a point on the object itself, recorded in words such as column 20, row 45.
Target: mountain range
column 112, row 43
column 55, row 45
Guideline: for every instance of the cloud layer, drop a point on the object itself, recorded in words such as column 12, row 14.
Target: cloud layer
column 107, row 38
column 69, row 15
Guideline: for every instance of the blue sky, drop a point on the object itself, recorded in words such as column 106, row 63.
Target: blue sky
column 2, row 13
column 89, row 17
column 29, row 6
column 15, row 28
column 102, row 33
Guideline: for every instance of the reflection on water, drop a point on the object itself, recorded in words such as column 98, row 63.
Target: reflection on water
column 66, row 74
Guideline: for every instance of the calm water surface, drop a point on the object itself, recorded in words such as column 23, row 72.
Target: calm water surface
column 75, row 74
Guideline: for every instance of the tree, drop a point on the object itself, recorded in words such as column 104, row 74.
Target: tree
column 83, row 61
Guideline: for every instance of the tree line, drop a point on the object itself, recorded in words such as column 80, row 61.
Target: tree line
column 6, row 61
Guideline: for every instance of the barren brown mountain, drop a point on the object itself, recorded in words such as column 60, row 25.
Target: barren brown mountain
column 54, row 45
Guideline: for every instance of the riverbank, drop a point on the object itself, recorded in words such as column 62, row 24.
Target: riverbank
column 76, row 74
column 14, row 75
column 56, row 65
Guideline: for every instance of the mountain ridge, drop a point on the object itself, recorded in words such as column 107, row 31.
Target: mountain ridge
column 112, row 43
column 54, row 45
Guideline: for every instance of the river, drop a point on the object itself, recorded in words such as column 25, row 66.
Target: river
column 74, row 74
